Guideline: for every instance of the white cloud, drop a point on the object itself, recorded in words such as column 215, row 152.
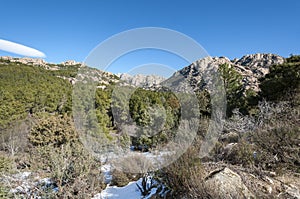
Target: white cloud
column 19, row 49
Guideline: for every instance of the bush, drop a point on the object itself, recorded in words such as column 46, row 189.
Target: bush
column 74, row 171
column 4, row 191
column 119, row 178
column 14, row 139
column 233, row 87
column 240, row 154
column 293, row 59
column 56, row 130
column 277, row 138
column 5, row 164
column 282, row 82
column 185, row 177
column 5, row 167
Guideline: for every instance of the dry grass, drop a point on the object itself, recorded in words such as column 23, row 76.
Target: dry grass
column 185, row 177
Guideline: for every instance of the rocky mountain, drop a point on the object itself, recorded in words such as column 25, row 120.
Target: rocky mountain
column 251, row 67
column 104, row 78
column 140, row 80
column 38, row 62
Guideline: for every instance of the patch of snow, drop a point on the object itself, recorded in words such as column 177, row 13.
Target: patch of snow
column 27, row 183
column 130, row 191
column 106, row 170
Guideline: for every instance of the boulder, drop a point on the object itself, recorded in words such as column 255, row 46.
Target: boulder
column 228, row 184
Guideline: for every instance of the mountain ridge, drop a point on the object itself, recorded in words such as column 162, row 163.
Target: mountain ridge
column 250, row 66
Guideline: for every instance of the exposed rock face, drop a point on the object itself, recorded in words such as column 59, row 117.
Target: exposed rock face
column 91, row 75
column 145, row 81
column 197, row 75
column 251, row 67
column 259, row 60
column 25, row 60
column 256, row 66
column 37, row 62
column 229, row 184
column 70, row 63
column 231, row 181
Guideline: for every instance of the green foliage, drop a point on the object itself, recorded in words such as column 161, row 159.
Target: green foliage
column 233, row 87
column 156, row 113
column 103, row 109
column 203, row 98
column 56, row 130
column 5, row 164
column 73, row 169
column 92, row 109
column 27, row 90
column 66, row 71
column 282, row 82
column 293, row 59
column 4, row 191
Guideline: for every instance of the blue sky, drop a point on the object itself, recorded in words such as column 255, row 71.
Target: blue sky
column 70, row 29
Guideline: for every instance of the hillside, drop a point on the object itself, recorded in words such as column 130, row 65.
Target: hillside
column 256, row 153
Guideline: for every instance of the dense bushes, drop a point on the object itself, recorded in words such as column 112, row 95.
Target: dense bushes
column 72, row 169
column 58, row 150
column 26, row 90
column 282, row 82
column 55, row 130
column 277, row 140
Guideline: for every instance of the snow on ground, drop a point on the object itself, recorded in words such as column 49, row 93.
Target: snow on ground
column 129, row 191
column 106, row 170
column 27, row 184
column 113, row 192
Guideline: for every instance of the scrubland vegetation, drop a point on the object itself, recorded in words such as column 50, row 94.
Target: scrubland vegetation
column 38, row 132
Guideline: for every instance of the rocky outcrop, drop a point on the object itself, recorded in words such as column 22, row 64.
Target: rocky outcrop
column 37, row 62
column 251, row 67
column 198, row 75
column 230, row 181
column 24, row 60
column 257, row 61
column 70, row 63
column 229, row 184
column 145, row 81
column 102, row 78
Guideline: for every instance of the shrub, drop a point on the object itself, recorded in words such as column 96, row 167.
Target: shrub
column 282, row 82
column 277, row 138
column 185, row 177
column 5, row 167
column 14, row 139
column 5, row 164
column 74, row 171
column 119, row 178
column 241, row 154
column 233, row 87
column 4, row 191
column 53, row 129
